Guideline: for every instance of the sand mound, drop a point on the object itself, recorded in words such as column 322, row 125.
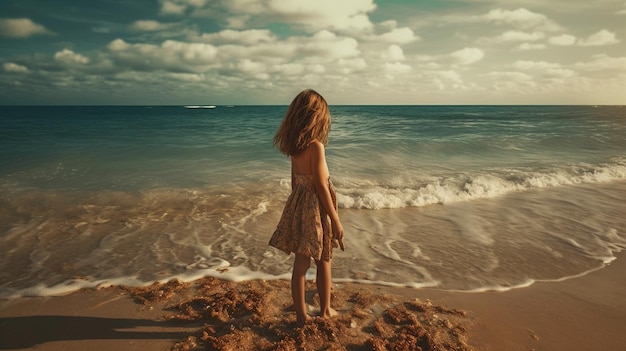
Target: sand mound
column 258, row 315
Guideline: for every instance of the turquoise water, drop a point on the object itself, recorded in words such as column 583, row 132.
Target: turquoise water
column 100, row 195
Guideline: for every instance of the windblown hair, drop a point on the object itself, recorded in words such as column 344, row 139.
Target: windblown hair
column 306, row 120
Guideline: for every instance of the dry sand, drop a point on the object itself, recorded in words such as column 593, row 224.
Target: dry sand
column 584, row 313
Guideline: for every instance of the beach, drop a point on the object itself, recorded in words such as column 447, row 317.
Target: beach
column 581, row 313
column 467, row 228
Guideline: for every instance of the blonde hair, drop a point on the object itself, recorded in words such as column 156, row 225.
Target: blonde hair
column 306, row 120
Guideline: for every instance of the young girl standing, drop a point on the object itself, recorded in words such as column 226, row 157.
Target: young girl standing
column 310, row 225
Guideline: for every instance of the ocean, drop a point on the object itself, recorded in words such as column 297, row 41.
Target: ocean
column 462, row 198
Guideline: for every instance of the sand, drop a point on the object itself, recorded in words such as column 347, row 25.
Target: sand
column 583, row 313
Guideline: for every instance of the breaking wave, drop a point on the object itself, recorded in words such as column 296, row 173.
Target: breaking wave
column 467, row 187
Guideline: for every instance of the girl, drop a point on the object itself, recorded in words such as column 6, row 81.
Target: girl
column 309, row 225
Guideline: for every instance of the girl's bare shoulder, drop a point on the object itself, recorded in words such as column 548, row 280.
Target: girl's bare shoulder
column 315, row 147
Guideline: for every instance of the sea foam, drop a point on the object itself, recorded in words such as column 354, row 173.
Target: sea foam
column 471, row 186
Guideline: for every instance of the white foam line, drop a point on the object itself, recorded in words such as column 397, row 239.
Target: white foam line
column 531, row 282
column 240, row 274
column 384, row 283
column 223, row 271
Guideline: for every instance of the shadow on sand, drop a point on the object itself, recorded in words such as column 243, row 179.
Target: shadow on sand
column 26, row 332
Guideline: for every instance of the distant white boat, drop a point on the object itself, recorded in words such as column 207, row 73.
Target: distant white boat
column 200, row 106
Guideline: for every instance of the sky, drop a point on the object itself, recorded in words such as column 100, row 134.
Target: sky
column 250, row 52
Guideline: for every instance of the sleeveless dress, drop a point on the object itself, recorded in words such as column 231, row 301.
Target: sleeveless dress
column 304, row 226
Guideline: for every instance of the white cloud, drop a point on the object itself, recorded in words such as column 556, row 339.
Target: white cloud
column 288, row 69
column 518, row 77
column 248, row 67
column 520, row 18
column 251, row 54
column 190, row 52
column 149, row 26
column 171, row 8
column 467, row 56
column 543, row 68
column 515, row 35
column 14, row 67
column 101, row 30
column 397, row 36
column 247, row 37
column 604, row 63
column 70, row 57
column 118, row 45
column 328, row 45
column 347, row 16
column 179, row 7
column 350, row 15
column 531, row 46
column 562, row 40
column 349, row 65
column 316, row 68
column 387, row 25
column 394, row 53
column 396, row 68
column 426, row 58
column 603, row 37
column 20, row 28
column 275, row 52
column 560, row 73
column 185, row 77
column 197, row 3
column 515, row 82
column 234, row 21
column 171, row 55
column 535, row 65
column 444, row 80
column 254, row 7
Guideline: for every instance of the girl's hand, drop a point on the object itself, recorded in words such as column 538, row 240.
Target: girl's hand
column 338, row 234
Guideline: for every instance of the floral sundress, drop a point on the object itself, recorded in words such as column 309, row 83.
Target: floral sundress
column 304, row 226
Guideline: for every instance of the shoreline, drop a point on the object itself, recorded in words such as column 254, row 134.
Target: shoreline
column 586, row 312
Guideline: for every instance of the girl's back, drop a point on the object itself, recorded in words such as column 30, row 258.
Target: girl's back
column 311, row 161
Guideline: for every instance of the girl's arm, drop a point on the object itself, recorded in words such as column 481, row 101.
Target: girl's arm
column 320, row 181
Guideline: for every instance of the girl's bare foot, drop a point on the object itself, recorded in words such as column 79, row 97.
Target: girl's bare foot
column 327, row 314
column 302, row 321
column 331, row 313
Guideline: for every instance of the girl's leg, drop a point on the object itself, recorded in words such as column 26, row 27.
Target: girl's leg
column 323, row 280
column 298, row 280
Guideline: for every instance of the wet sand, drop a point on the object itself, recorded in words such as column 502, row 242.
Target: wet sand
column 584, row 313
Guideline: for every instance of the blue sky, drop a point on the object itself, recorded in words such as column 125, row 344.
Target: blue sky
column 149, row 52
